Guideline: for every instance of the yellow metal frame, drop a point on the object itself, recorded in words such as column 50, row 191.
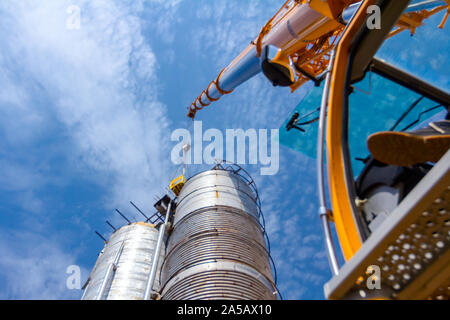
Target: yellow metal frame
column 331, row 8
column 346, row 226
column 177, row 184
column 411, row 21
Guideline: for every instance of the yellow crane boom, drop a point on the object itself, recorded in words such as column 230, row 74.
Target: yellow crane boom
column 294, row 46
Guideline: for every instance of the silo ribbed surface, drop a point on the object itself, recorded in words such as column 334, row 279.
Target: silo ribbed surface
column 216, row 249
column 129, row 279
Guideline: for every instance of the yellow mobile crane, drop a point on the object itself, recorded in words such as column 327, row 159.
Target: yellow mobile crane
column 392, row 222
column 295, row 45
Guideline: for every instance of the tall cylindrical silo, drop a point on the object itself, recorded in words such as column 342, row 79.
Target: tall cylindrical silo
column 217, row 249
column 122, row 269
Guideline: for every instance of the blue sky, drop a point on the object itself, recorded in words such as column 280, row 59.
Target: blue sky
column 86, row 117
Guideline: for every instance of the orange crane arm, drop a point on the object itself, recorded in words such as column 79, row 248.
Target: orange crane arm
column 294, row 46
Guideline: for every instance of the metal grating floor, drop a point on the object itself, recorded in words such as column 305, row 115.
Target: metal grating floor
column 411, row 248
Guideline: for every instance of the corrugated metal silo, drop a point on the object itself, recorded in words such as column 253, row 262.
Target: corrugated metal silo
column 217, row 249
column 122, row 269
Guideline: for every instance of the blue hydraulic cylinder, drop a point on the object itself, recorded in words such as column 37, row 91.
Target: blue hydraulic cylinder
column 241, row 70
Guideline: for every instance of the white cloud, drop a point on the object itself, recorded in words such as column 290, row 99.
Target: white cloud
column 95, row 89
column 34, row 267
column 100, row 83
